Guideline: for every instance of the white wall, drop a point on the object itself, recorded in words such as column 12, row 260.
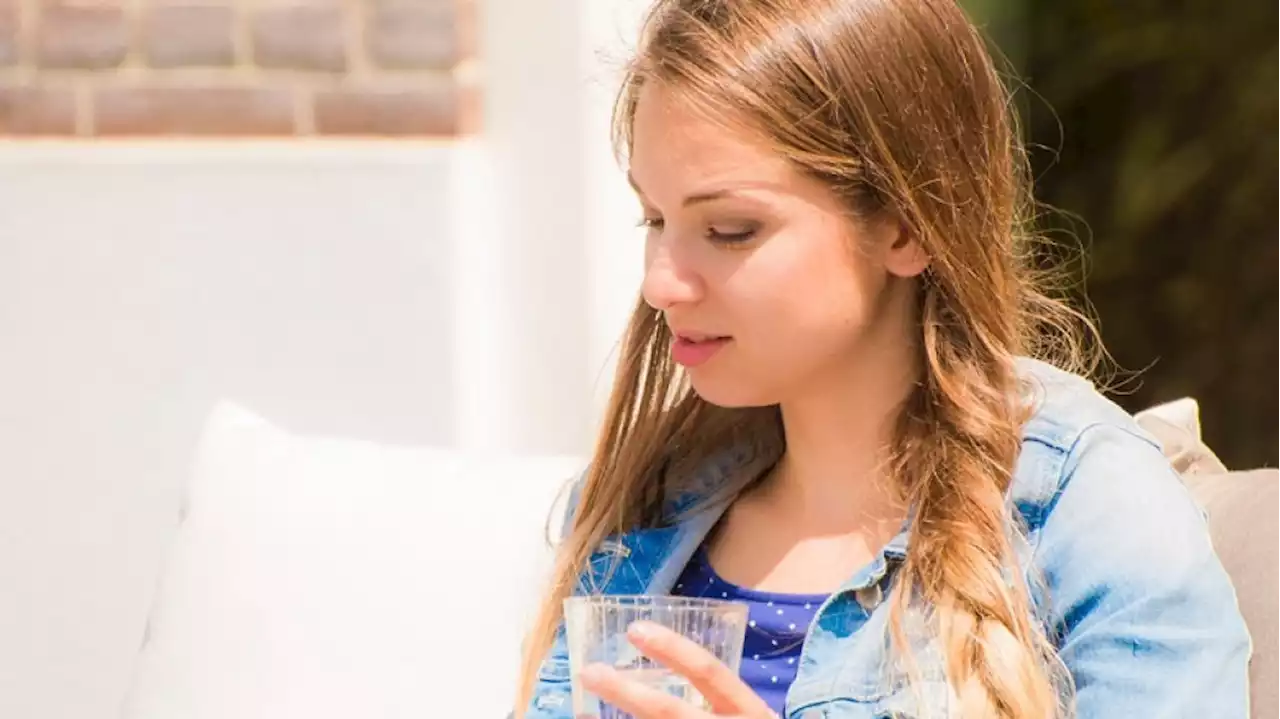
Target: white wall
column 138, row 286
column 565, row 229
column 463, row 294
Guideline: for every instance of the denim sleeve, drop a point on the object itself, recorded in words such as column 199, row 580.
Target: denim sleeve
column 1146, row 616
column 551, row 693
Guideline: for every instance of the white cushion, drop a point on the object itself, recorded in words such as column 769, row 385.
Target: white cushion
column 1176, row 425
column 315, row 578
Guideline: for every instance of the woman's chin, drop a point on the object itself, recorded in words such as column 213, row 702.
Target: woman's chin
column 723, row 392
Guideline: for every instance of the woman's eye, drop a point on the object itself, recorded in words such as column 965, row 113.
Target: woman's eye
column 720, row 234
column 650, row 223
column 730, row 235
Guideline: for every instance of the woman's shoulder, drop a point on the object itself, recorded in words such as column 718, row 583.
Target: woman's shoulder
column 1109, row 521
column 1066, row 406
column 1122, row 567
column 1080, row 444
column 1103, row 508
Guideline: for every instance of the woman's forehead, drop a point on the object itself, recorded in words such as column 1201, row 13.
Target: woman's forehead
column 671, row 139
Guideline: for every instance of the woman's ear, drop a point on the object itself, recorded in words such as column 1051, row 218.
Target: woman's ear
column 904, row 256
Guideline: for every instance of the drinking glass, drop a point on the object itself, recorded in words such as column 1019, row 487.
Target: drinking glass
column 596, row 631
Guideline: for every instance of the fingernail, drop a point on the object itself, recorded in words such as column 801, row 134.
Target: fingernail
column 641, row 631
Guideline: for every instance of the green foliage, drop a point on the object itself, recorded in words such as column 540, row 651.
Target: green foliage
column 1155, row 124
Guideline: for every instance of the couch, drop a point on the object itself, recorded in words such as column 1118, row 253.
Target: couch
column 317, row 578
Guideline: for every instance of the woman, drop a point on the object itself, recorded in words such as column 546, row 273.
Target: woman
column 826, row 408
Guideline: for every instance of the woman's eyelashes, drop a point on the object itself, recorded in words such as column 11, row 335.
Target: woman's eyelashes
column 653, row 224
column 727, row 233
column 731, row 234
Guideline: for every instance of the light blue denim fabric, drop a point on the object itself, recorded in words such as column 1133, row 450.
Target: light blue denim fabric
column 1141, row 610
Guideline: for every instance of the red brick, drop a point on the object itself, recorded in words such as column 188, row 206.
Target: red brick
column 303, row 37
column 367, row 112
column 8, row 32
column 177, row 35
column 91, row 35
column 241, row 111
column 413, row 33
column 26, row 110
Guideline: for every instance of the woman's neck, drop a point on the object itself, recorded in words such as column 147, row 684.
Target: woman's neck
column 839, row 441
column 829, row 506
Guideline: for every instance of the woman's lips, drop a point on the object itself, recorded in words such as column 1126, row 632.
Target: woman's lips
column 694, row 350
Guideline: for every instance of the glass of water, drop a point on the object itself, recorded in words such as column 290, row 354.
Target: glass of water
column 596, row 631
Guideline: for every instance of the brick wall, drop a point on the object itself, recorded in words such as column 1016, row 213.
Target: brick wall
column 102, row 68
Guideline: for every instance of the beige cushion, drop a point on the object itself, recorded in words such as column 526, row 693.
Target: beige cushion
column 1242, row 520
column 1177, row 426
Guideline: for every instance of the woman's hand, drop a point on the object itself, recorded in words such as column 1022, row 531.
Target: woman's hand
column 727, row 695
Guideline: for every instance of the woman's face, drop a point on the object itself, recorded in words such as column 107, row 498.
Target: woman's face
column 768, row 285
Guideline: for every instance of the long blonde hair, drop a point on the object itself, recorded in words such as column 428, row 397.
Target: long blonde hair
column 897, row 106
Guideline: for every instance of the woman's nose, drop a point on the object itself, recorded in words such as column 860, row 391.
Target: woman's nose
column 668, row 283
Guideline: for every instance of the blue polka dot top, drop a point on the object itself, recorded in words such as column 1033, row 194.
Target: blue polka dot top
column 776, row 627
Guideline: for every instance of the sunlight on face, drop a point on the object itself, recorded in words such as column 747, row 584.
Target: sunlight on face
column 759, row 270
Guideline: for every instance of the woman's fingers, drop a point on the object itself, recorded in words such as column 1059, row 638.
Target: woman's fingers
column 632, row 697
column 719, row 685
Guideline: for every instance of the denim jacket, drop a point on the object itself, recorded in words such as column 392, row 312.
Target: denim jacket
column 1139, row 607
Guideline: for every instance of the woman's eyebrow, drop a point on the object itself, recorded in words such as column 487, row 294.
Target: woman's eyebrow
column 695, row 198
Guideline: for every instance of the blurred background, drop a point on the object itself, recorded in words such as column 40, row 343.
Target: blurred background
column 1153, row 132
column 401, row 221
